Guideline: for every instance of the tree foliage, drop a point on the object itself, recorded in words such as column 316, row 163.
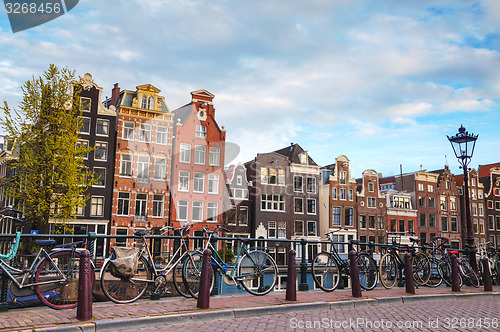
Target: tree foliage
column 49, row 178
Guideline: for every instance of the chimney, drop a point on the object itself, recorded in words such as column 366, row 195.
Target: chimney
column 115, row 92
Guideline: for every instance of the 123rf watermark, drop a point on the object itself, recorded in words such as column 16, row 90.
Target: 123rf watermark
column 453, row 323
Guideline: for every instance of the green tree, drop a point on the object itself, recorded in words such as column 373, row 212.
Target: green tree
column 50, row 178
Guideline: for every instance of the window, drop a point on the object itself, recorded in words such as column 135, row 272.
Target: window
column 299, row 228
column 145, row 133
column 481, row 209
column 334, row 193
column 197, row 211
column 272, row 202
column 101, row 151
column 336, row 215
column 81, row 206
column 281, row 177
column 212, row 212
column 271, row 232
column 453, row 203
column 214, row 158
column 402, row 225
column 272, row 176
column 144, row 102
column 411, row 227
column 491, row 223
column 351, row 195
column 160, row 168
column 83, row 144
column 151, row 103
column 157, row 205
column 381, row 223
column 393, row 226
column 473, row 181
column 243, row 217
column 432, row 202
column 496, row 191
column 343, row 176
column 454, row 224
column 498, row 222
column 370, row 186
column 311, row 228
column 497, row 205
column 185, row 153
column 182, row 210
column 298, row 205
column 444, row 223
column 201, row 131
column 432, row 220
column 121, row 241
column 430, row 188
column 474, row 209
column 102, row 127
column 342, row 194
column 297, row 183
column 97, row 206
column 198, row 182
column 141, row 201
column 213, row 183
column 85, row 129
column 362, row 221
column 311, row 206
column 338, row 238
column 143, row 167
column 371, row 222
column 264, row 178
column 421, row 201
column 239, row 180
column 183, row 181
column 473, row 194
column 100, row 176
column 489, row 204
column 423, row 220
column 311, row 185
column 86, row 103
column 162, row 135
column 199, row 154
column 349, row 216
column 444, row 205
column 421, row 187
column 281, row 229
column 372, row 202
column 123, row 204
column 448, row 185
column 126, row 164
column 128, row 130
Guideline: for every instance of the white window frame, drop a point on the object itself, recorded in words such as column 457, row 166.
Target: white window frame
column 162, row 135
column 160, row 167
column 211, row 207
column 201, row 131
column 185, row 153
column 182, row 207
column 126, row 164
column 200, row 154
column 128, row 130
column 104, row 125
column 104, row 144
column 144, row 132
column 97, row 210
column 183, row 184
column 214, row 158
column 104, row 180
column 158, row 205
column 213, row 183
column 198, row 182
column 123, row 200
column 197, row 208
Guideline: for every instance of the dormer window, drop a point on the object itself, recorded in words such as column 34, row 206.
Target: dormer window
column 303, row 158
column 144, row 102
column 151, row 103
column 201, row 131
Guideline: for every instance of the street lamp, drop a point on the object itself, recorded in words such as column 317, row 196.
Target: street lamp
column 463, row 145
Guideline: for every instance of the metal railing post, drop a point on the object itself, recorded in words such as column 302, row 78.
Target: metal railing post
column 91, row 238
column 3, row 298
column 303, row 267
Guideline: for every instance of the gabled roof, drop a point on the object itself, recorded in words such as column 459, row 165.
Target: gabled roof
column 183, row 112
column 292, row 152
column 484, row 170
column 459, row 180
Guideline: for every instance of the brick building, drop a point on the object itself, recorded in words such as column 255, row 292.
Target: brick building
column 489, row 175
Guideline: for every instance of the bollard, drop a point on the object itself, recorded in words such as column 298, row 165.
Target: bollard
column 455, row 283
column 84, row 307
column 204, row 291
column 291, row 281
column 4, row 306
column 355, row 283
column 410, row 285
column 487, row 282
column 303, row 286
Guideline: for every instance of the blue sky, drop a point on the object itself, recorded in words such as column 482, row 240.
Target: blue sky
column 382, row 82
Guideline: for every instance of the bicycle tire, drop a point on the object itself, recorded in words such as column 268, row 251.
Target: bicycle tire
column 326, row 272
column 388, row 271
column 445, row 267
column 470, row 277
column 421, row 267
column 179, row 284
column 126, row 290
column 257, row 272
column 436, row 278
column 191, row 273
column 367, row 268
column 59, row 295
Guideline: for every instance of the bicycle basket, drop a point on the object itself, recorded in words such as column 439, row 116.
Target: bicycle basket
column 126, row 262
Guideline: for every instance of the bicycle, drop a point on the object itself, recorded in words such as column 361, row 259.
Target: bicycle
column 53, row 275
column 437, row 256
column 328, row 267
column 255, row 270
column 391, row 265
column 484, row 251
column 122, row 289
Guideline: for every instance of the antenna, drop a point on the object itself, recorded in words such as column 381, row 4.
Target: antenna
column 446, row 160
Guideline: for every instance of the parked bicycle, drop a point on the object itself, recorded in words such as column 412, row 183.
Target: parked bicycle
column 328, row 267
column 436, row 251
column 128, row 273
column 391, row 265
column 254, row 269
column 485, row 251
column 53, row 275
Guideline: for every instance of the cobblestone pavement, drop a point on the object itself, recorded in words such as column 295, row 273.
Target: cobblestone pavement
column 471, row 314
column 109, row 316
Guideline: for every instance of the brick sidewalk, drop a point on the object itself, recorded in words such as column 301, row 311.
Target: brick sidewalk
column 44, row 317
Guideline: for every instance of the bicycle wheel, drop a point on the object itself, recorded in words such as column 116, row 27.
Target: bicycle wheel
column 257, row 272
column 325, row 271
column 177, row 280
column 367, row 271
column 470, row 277
column 59, row 294
column 388, row 271
column 191, row 273
column 421, row 267
column 445, row 269
column 126, row 290
column 436, row 278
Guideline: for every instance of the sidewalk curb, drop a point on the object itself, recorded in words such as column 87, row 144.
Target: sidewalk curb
column 149, row 321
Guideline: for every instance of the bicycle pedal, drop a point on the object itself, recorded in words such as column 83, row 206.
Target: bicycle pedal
column 239, row 286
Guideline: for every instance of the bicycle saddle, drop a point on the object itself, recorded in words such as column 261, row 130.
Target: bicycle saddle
column 413, row 239
column 354, row 241
column 45, row 243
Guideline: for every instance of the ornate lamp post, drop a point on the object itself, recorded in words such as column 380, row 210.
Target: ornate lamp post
column 463, row 145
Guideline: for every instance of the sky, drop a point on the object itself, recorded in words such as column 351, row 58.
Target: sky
column 381, row 82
